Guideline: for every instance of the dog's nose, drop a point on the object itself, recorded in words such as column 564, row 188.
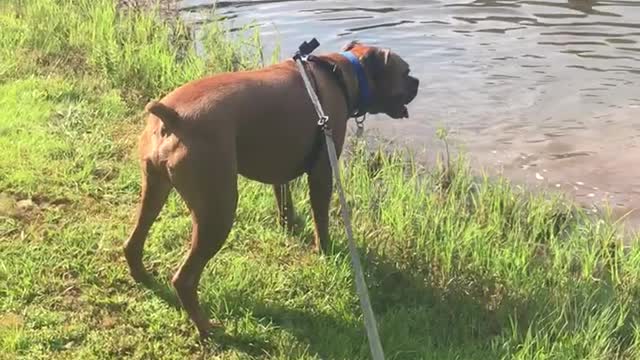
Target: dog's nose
column 413, row 88
column 415, row 84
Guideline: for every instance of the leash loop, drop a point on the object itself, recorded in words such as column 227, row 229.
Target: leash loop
column 375, row 346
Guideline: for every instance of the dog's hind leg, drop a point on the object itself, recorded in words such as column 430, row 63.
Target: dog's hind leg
column 155, row 189
column 212, row 196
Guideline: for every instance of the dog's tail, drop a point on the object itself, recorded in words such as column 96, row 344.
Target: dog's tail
column 169, row 117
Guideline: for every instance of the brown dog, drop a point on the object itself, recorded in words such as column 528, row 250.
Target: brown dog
column 260, row 124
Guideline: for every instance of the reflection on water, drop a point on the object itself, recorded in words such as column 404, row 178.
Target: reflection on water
column 533, row 88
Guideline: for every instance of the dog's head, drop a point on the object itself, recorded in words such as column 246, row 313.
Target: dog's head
column 391, row 86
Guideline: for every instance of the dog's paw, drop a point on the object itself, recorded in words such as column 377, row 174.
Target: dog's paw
column 141, row 276
column 319, row 250
column 210, row 329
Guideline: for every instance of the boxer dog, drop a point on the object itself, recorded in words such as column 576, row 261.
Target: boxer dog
column 260, row 124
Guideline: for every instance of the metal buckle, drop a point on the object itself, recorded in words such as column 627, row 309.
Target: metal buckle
column 323, row 121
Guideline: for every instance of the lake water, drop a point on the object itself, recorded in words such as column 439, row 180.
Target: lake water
column 545, row 92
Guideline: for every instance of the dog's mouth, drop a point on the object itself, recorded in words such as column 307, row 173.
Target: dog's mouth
column 398, row 106
column 399, row 112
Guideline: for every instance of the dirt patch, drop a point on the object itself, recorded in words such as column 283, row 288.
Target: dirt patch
column 23, row 207
column 8, row 206
column 11, row 321
column 108, row 322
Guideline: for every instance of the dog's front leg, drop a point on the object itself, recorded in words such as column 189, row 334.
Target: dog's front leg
column 320, row 189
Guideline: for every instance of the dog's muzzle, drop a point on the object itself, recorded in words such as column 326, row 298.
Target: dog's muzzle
column 414, row 84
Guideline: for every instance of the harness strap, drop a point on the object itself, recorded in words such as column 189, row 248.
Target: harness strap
column 337, row 73
column 318, row 141
column 352, row 107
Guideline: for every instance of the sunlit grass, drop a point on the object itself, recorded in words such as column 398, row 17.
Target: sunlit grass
column 459, row 266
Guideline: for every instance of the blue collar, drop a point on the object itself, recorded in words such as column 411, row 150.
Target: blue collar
column 364, row 94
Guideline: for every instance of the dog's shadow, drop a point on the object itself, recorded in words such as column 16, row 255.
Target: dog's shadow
column 414, row 317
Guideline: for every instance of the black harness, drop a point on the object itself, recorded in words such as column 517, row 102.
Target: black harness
column 337, row 74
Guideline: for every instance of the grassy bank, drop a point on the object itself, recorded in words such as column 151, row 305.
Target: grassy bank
column 458, row 269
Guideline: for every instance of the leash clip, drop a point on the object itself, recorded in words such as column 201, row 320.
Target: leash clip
column 323, row 121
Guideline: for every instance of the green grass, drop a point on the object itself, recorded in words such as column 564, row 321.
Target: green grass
column 458, row 267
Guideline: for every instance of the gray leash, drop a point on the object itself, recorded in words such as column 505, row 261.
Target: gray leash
column 361, row 287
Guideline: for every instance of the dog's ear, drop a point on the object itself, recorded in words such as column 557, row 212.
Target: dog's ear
column 350, row 45
column 376, row 60
column 384, row 55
